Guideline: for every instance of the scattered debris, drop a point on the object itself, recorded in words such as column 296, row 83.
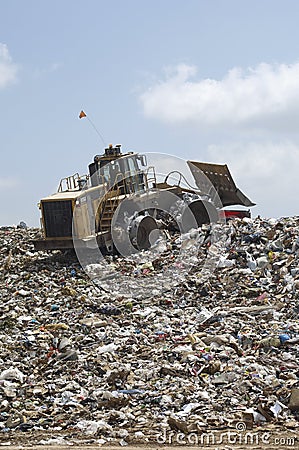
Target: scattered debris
column 209, row 351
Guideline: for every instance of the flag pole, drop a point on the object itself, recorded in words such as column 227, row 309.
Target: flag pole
column 83, row 114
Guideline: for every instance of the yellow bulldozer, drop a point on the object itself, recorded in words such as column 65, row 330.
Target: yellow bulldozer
column 121, row 200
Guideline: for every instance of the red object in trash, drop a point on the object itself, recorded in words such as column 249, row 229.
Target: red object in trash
column 234, row 214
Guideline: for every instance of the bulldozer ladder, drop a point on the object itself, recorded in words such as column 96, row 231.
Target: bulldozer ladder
column 107, row 208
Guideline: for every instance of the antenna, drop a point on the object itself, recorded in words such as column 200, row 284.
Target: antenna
column 83, row 114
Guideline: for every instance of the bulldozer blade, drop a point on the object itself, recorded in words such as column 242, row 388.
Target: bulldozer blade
column 220, row 177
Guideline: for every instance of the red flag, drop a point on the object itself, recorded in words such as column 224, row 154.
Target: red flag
column 82, row 114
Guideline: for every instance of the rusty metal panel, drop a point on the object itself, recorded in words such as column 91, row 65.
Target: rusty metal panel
column 220, row 177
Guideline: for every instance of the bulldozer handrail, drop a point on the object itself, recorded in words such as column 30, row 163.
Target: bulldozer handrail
column 71, row 183
column 151, row 178
column 180, row 179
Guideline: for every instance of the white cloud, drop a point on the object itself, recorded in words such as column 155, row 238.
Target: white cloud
column 8, row 183
column 266, row 172
column 53, row 67
column 264, row 96
column 8, row 70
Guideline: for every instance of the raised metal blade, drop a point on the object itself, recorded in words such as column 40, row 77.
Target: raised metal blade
column 221, row 179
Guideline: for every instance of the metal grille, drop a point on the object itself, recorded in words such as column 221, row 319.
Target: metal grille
column 58, row 218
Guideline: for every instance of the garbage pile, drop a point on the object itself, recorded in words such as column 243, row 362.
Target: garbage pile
column 217, row 349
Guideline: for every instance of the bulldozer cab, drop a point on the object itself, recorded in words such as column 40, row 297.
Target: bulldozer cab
column 118, row 171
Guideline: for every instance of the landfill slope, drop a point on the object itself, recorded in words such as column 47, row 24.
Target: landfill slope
column 215, row 353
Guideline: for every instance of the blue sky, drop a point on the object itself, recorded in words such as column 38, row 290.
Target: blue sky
column 215, row 81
